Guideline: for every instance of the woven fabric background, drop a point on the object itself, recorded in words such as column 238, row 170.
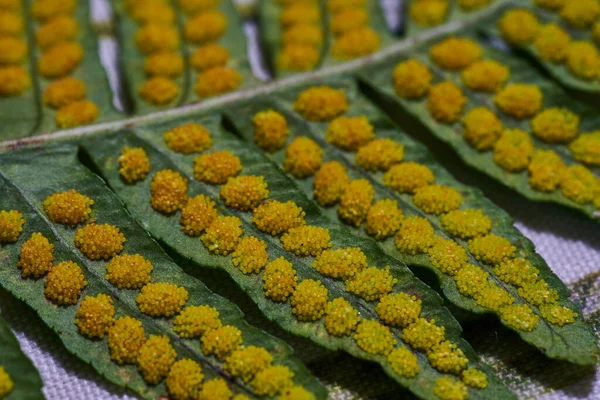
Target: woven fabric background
column 569, row 242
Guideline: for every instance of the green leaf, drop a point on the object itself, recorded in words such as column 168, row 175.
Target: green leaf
column 379, row 78
column 575, row 342
column 26, row 179
column 25, row 377
column 104, row 152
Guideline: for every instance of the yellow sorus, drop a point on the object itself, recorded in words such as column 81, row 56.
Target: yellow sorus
column 11, row 226
column 356, row 202
column 586, row 148
column 125, row 338
column 580, row 14
column 341, row 318
column 298, row 57
column 131, row 5
column 152, row 38
column 275, row 217
column 348, row 20
column 303, row 157
column 448, row 388
column 557, row 314
column 471, row 280
column 221, row 342
column 306, row 240
column 455, row 53
column 447, row 357
column 380, row 154
column 399, row 309
column 404, row 362
column 64, row 283
column 215, row 389
column 350, row 133
column 336, row 6
column 330, row 183
column 168, row 191
column 340, row 263
column 155, row 358
column 482, row 128
column 75, row 114
column 583, row 60
column 446, row 102
column 555, row 125
column 538, row 293
column 246, row 362
column 161, row 299
column 321, row 103
column 11, row 24
column 374, row 338
column 596, row 32
column 98, row 242
column 6, row 383
column 551, row 4
column 12, row 50
column 216, row 167
column 250, row 255
column 519, row 100
column 129, row 271
column 68, row 208
column 296, row 393
column 300, row 14
column 159, row 90
column 207, row 26
column 513, row 150
column 412, row 79
column 408, row 177
column 303, row 34
column 165, row 63
column 191, row 7
column 485, row 76
column 517, row 271
column 279, row 280
column 209, row 56
column 474, row 378
column 60, row 60
column 519, row 26
column 95, row 316
column 216, row 81
column 371, row 283
column 270, row 130
column 244, row 192
column 447, row 256
column 195, row 321
column 134, row 164
column 579, row 184
column 45, row 9
column 356, row 43
column 272, row 380
column 309, row 300
column 519, row 317
column 428, row 13
column 545, row 170
column 470, row 5
column 416, row 235
column 552, row 43
column 384, row 219
column 494, row 297
column 466, row 224
column 222, row 235
column 184, row 380
column 492, row 249
column 423, row 334
column 15, row 5
column 437, row 199
column 63, row 28
column 64, row 91
column 153, row 13
column 36, row 256
column 14, row 81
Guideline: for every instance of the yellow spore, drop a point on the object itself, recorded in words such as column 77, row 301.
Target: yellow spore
column 246, row 362
column 437, row 199
column 341, row 318
column 303, row 34
column 11, row 24
column 416, row 235
column 275, row 217
column 98, row 242
column 192, row 7
column 195, row 321
column 447, row 256
column 152, row 38
column 272, row 380
column 197, row 215
column 270, row 130
column 215, row 389
column 374, row 338
column 482, row 128
column 356, row 202
column 557, row 314
column 216, row 81
column 555, row 125
column 494, row 297
column 300, row 14
column 330, row 183
column 423, row 334
column 380, row 154
column 545, row 170
column 517, row 271
column 321, row 103
column 244, row 192
column 64, row 91
column 306, row 240
column 155, row 358
column 466, row 224
column 64, row 283
column 68, row 208
column 134, row 164
column 95, row 316
column 298, row 57
column 165, row 63
column 448, row 388
column 404, row 362
column 206, row 26
column 519, row 100
column 470, row 5
column 384, row 219
column 412, row 79
column 513, row 150
column 222, row 235
column 159, row 90
column 580, row 14
column 586, row 148
column 538, row 293
column 474, row 378
column 485, row 76
column 184, row 380
column 447, row 357
column 15, row 5
column 14, row 81
column 168, row 191
column 309, row 300
column 492, row 249
column 303, row 157
column 519, row 317
column 356, row 43
column 217, row 167
column 36, row 256
column 471, row 280
column 579, row 184
column 446, row 102
column 209, row 56
column 371, row 283
column 427, row 13
column 348, row 20
column 408, row 177
column 60, row 60
column 350, row 133
column 399, row 309
column 43, row 10
column 125, row 338
column 552, row 43
column 11, row 226
column 279, row 280
column 519, row 26
column 63, row 28
column 129, row 271
column 161, row 299
column 77, row 113
column 340, row 263
column 6, row 383
column 455, row 53
column 221, row 342
column 250, row 255
column 583, row 60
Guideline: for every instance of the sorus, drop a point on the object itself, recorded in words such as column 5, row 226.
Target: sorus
column 206, row 26
column 423, row 334
column 298, row 57
column 371, row 283
column 36, row 256
column 586, row 148
column 455, row 53
column 513, row 150
column 519, row 26
column 270, row 130
column 330, row 183
column 321, row 103
column 99, row 241
column 580, row 14
column 60, row 60
column 221, row 342
column 517, row 271
column 246, row 362
column 447, row 256
column 303, row 34
column 209, row 56
column 184, row 380
column 519, row 317
column 341, row 318
column 545, row 170
column 482, row 128
column 494, row 297
column 428, row 13
column 6, row 383
column 11, row 226
column 188, row 138
column 404, row 362
column 416, row 235
column 222, row 235
column 168, row 191
column 470, row 5
column 340, row 263
column 77, row 113
column 466, row 224
column 485, row 76
column 275, row 217
column 349, row 133
column 555, row 125
column 380, row 154
column 95, row 316
column 447, row 357
column 303, row 157
column 583, row 60
column 215, row 389
column 491, row 249
column 244, row 192
column 306, row 240
column 155, row 358
column 336, row 6
column 129, row 271
column 68, row 208
column 474, row 378
column 300, row 14
column 195, row 321
column 134, row 164
column 579, row 184
column 62, row 28
column 471, row 280
column 191, row 7
column 348, row 20
column 64, row 283
column 45, row 9
column 557, row 314
column 159, row 90
column 374, row 338
column 552, row 43
column 12, row 50
column 437, row 199
column 152, row 38
column 63, row 92
column 155, row 12
column 11, row 24
column 216, row 167
column 384, row 219
column 197, row 215
column 399, row 309
column 125, row 338
column 356, row 43
column 272, row 380
column 356, row 202
column 250, row 255
column 412, row 79
column 519, row 100
column 161, row 299
column 217, row 80
column 538, row 293
column 446, row 102
column 279, row 280
column 309, row 300
column 14, row 81
column 448, row 388
column 408, row 177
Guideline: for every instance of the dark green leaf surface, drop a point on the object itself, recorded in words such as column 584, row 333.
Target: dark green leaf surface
column 27, row 381
column 575, row 343
column 26, row 179
column 104, row 152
